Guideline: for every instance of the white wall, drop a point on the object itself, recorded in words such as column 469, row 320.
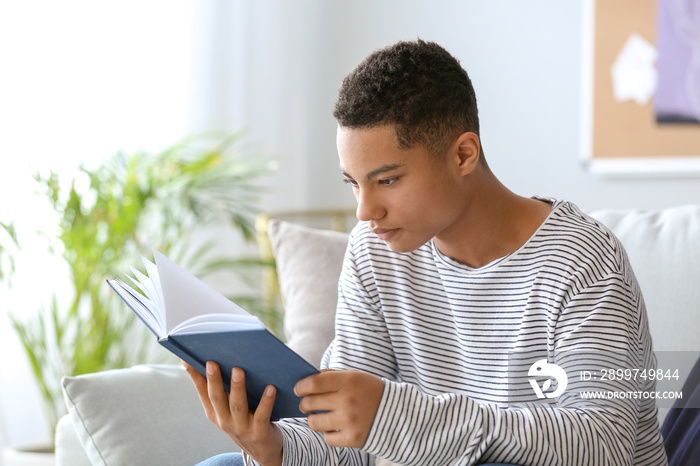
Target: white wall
column 524, row 57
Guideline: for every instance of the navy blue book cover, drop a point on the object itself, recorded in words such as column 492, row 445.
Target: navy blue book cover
column 263, row 357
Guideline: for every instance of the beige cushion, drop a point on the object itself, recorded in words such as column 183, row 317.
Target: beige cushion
column 309, row 262
column 144, row 415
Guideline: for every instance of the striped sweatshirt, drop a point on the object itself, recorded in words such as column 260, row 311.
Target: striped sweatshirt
column 441, row 335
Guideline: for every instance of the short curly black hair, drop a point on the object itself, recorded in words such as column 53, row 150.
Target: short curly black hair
column 418, row 87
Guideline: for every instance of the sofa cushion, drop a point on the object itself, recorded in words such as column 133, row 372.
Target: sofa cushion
column 69, row 450
column 309, row 262
column 120, row 414
column 664, row 249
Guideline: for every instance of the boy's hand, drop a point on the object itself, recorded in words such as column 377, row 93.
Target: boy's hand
column 253, row 432
column 351, row 399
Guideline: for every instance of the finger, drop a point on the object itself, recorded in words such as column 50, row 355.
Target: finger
column 197, row 378
column 323, row 422
column 336, row 438
column 319, row 402
column 317, row 383
column 342, row 437
column 238, row 399
column 263, row 413
column 200, row 384
column 216, row 392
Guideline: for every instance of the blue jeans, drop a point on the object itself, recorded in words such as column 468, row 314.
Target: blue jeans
column 236, row 459
column 225, row 459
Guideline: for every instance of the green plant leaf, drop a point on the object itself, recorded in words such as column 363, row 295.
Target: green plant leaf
column 133, row 203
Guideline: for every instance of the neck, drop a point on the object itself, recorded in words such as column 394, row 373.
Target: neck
column 494, row 222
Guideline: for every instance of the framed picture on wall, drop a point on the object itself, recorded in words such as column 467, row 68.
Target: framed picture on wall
column 641, row 90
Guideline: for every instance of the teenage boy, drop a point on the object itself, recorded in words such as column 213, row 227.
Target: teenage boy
column 447, row 273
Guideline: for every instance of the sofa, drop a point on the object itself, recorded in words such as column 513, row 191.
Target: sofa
column 150, row 414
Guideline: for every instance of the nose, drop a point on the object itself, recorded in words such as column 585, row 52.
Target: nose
column 368, row 208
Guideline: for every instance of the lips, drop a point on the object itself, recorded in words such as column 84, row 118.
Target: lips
column 384, row 234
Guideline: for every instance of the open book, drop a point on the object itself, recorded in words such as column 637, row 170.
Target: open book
column 198, row 324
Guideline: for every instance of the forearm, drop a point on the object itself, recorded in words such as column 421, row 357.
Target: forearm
column 416, row 429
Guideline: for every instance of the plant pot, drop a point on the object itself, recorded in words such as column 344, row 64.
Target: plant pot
column 29, row 454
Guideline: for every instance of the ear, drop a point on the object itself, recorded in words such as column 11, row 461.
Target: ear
column 468, row 149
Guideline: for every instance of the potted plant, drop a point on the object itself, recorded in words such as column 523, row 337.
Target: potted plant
column 129, row 205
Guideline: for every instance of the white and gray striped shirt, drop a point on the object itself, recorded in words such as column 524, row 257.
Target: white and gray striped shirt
column 440, row 334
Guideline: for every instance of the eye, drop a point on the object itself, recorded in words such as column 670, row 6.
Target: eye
column 388, row 181
column 350, row 181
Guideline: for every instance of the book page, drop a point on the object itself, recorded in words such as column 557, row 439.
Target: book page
column 186, row 296
column 149, row 287
column 210, row 323
column 152, row 272
column 140, row 305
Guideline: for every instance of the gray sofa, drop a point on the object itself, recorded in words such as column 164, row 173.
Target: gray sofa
column 151, row 415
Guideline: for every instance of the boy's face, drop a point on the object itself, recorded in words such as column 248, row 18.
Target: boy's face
column 407, row 196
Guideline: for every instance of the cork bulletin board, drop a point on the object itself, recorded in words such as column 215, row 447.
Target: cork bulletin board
column 633, row 122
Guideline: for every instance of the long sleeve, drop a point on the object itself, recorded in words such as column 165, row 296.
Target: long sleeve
column 414, row 428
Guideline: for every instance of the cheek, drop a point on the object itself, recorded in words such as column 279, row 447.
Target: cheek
column 438, row 203
column 421, row 210
column 435, row 194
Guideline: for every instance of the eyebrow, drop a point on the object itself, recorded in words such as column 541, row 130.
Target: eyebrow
column 377, row 171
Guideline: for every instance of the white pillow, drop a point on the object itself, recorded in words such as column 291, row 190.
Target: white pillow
column 309, row 262
column 664, row 249
column 120, row 414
